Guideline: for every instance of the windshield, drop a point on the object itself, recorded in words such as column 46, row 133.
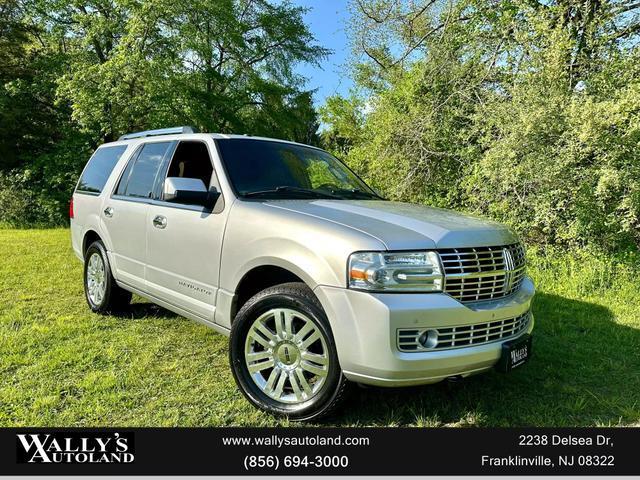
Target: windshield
column 269, row 169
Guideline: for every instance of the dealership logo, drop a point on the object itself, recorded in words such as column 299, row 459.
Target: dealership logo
column 75, row 447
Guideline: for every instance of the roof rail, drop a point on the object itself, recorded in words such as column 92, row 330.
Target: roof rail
column 159, row 131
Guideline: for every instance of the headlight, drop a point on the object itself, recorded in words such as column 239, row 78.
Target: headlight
column 395, row 271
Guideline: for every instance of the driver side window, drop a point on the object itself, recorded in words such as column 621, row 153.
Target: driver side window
column 191, row 160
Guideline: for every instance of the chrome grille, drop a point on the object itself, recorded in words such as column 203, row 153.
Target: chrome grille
column 482, row 273
column 440, row 338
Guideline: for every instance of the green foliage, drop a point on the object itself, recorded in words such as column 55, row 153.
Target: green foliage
column 346, row 119
column 30, row 122
column 418, row 136
column 523, row 111
column 22, row 206
column 564, row 170
column 15, row 201
column 38, row 195
column 220, row 65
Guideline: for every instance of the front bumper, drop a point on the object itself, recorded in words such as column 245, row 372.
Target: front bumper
column 365, row 328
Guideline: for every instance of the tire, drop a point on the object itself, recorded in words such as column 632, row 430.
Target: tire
column 303, row 345
column 102, row 296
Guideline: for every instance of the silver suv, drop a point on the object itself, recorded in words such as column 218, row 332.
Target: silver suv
column 317, row 280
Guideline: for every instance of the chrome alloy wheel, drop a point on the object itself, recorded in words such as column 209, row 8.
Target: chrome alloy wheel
column 287, row 355
column 96, row 279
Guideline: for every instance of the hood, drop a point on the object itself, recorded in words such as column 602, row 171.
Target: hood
column 404, row 226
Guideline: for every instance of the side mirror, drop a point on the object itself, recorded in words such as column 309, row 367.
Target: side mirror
column 189, row 191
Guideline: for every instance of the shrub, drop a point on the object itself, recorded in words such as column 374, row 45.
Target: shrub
column 25, row 203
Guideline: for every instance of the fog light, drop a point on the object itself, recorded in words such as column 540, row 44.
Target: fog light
column 428, row 338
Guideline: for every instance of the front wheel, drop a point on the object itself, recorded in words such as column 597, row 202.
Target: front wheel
column 283, row 355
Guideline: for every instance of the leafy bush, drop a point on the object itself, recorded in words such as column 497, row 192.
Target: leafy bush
column 16, row 203
column 27, row 201
column 512, row 111
column 563, row 169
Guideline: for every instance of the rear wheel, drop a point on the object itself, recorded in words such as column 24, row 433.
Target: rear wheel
column 101, row 291
column 283, row 355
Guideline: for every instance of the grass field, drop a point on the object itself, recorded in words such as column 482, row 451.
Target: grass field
column 61, row 365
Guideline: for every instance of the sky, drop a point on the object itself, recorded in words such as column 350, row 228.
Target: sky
column 327, row 20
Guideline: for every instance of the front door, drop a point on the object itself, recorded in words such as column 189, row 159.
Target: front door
column 184, row 241
column 124, row 214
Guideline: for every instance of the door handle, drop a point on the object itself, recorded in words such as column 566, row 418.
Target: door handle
column 159, row 221
column 108, row 212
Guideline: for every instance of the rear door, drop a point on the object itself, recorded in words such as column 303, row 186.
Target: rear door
column 125, row 212
column 184, row 241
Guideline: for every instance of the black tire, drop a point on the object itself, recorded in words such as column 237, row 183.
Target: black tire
column 115, row 299
column 298, row 297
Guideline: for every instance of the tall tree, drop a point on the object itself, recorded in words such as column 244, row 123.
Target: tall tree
column 30, row 122
column 223, row 65
column 521, row 109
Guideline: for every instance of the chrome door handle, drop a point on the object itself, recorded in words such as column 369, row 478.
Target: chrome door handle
column 160, row 221
column 108, row 212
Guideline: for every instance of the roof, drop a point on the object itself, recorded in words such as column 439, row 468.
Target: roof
column 186, row 133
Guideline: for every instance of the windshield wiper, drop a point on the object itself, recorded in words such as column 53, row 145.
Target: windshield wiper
column 356, row 192
column 290, row 189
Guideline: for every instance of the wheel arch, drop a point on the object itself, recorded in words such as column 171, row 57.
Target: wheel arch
column 260, row 277
column 89, row 237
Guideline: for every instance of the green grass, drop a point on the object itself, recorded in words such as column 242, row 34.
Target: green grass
column 61, row 365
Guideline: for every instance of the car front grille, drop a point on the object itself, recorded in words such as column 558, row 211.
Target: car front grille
column 482, row 273
column 442, row 338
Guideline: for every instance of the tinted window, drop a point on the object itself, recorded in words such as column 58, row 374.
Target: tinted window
column 138, row 180
column 258, row 167
column 99, row 168
column 122, row 186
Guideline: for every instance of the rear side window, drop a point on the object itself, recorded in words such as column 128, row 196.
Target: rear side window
column 99, row 168
column 140, row 175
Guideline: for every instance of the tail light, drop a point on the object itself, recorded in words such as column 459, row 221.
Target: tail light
column 71, row 208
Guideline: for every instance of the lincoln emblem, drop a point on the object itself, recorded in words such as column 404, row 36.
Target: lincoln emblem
column 509, row 268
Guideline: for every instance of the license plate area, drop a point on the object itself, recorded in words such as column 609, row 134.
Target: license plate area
column 515, row 353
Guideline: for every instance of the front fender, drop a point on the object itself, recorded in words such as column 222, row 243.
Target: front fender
column 300, row 260
column 314, row 249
